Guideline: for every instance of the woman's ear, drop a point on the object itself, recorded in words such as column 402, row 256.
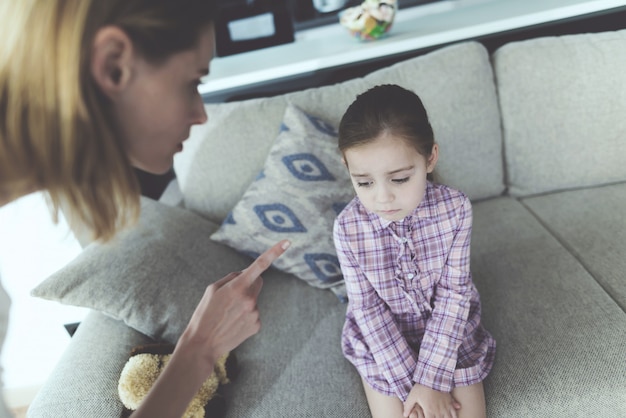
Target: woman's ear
column 111, row 60
column 432, row 160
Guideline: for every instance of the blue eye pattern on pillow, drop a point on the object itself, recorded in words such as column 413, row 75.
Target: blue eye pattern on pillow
column 325, row 266
column 307, row 167
column 322, row 126
column 300, row 191
column 279, row 218
column 338, row 207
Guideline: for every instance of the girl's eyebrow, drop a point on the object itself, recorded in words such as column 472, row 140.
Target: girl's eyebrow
column 411, row 167
column 359, row 175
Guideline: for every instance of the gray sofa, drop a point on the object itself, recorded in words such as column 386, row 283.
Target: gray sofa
column 535, row 134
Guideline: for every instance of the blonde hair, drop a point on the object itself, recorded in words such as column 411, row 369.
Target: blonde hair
column 57, row 132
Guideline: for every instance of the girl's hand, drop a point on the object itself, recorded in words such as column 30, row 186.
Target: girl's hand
column 429, row 403
column 416, row 412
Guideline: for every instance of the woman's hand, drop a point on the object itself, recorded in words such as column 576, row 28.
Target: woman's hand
column 227, row 313
column 226, row 316
column 424, row 402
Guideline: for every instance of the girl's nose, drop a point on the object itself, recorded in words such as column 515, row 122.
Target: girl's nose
column 384, row 195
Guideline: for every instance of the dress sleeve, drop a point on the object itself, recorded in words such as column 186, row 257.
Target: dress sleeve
column 444, row 331
column 393, row 357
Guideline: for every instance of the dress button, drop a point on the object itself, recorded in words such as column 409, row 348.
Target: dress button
column 410, row 275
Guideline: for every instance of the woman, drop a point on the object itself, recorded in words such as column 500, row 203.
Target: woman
column 90, row 89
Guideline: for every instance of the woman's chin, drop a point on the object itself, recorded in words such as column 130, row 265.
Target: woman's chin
column 153, row 168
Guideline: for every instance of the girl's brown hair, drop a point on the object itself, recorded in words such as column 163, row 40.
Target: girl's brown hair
column 389, row 109
column 56, row 129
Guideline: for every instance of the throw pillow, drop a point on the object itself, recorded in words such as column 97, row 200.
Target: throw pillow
column 301, row 189
column 151, row 276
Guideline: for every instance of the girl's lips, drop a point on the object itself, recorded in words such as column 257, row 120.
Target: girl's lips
column 389, row 212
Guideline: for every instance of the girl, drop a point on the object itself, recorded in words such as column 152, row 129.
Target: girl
column 90, row 89
column 412, row 327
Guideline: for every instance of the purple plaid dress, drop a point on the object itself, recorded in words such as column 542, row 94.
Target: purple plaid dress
column 413, row 311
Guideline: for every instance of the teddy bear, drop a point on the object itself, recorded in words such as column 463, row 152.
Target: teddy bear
column 146, row 363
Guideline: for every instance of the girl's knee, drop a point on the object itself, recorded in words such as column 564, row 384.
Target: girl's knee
column 382, row 406
column 472, row 400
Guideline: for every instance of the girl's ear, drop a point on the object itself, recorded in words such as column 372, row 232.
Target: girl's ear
column 432, row 160
column 111, row 60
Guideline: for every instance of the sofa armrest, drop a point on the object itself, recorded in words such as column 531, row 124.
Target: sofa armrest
column 84, row 382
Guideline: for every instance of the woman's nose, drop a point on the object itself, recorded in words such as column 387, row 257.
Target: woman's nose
column 199, row 115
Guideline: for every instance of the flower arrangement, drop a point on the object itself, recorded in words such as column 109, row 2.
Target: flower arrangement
column 369, row 21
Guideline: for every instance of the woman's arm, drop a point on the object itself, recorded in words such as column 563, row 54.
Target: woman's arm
column 225, row 317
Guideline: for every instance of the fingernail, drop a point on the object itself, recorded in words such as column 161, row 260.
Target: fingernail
column 286, row 245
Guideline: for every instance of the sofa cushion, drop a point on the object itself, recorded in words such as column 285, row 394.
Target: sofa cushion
column 222, row 157
column 151, row 276
column 298, row 346
column 590, row 223
column 297, row 195
column 563, row 101
column 294, row 366
column 560, row 336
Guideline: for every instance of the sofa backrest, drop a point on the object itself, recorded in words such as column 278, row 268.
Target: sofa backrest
column 563, row 106
column 223, row 157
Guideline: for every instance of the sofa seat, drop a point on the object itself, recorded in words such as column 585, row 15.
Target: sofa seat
column 538, row 300
column 591, row 223
column 560, row 336
column 85, row 380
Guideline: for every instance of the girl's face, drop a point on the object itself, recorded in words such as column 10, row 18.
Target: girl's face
column 389, row 175
column 161, row 104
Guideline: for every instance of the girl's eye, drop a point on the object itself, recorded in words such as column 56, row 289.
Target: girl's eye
column 400, row 181
column 364, row 184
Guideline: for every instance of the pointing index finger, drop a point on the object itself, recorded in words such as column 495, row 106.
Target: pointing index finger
column 265, row 260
